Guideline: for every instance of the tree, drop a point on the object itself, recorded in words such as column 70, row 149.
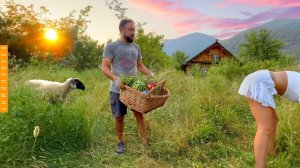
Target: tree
column 152, row 50
column 120, row 11
column 179, row 58
column 19, row 29
column 86, row 54
column 261, row 46
column 23, row 30
column 116, row 6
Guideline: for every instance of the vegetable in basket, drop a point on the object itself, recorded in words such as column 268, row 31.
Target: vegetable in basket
column 151, row 85
column 141, row 84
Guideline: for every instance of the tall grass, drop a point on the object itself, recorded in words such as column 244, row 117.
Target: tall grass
column 204, row 123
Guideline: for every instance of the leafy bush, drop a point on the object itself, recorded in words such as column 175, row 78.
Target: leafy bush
column 86, row 54
column 179, row 58
column 14, row 64
column 233, row 69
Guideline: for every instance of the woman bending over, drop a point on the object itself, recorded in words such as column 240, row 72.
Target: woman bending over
column 258, row 89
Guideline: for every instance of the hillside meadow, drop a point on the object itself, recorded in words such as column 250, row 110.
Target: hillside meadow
column 204, row 123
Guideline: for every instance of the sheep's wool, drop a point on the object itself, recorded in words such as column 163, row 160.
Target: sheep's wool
column 60, row 89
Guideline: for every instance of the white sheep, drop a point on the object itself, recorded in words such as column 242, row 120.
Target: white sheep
column 57, row 88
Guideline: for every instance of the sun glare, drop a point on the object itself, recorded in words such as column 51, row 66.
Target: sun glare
column 51, row 34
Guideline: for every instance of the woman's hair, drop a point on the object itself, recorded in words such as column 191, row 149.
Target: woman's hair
column 123, row 23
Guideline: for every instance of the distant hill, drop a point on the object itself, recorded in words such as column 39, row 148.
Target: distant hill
column 286, row 30
column 190, row 44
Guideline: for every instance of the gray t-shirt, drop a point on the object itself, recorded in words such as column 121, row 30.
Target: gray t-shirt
column 124, row 60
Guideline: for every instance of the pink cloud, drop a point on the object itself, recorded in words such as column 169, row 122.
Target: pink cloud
column 274, row 3
column 182, row 19
column 185, row 20
column 291, row 13
column 246, row 13
column 225, row 34
column 240, row 24
column 170, row 8
column 259, row 18
column 229, row 26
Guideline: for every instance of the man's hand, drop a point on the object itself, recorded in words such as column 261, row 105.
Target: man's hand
column 152, row 74
column 117, row 82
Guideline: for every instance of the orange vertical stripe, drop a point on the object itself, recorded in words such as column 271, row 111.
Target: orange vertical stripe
column 3, row 78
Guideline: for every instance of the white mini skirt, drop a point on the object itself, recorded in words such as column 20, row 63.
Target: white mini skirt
column 260, row 87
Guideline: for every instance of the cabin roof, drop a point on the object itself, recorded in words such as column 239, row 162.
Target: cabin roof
column 201, row 52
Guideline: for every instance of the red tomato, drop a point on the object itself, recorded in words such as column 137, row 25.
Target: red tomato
column 151, row 85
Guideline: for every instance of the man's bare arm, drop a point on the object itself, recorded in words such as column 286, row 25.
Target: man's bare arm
column 105, row 68
column 142, row 68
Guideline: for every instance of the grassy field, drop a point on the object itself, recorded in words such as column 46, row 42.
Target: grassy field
column 204, row 123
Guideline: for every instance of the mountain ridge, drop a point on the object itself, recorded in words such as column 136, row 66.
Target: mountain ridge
column 286, row 30
column 191, row 44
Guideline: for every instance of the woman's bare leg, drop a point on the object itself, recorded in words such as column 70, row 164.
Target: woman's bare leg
column 271, row 146
column 266, row 130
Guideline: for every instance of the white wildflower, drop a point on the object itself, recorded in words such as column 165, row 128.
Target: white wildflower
column 36, row 131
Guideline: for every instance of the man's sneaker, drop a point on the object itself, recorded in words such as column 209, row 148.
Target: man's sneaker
column 120, row 148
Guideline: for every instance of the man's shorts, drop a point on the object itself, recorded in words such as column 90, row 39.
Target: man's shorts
column 118, row 109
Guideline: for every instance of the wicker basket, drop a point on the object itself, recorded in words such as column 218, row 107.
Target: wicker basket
column 141, row 102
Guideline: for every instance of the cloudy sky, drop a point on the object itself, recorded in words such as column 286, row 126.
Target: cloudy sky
column 174, row 18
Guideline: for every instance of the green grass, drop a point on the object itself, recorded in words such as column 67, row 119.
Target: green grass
column 204, row 123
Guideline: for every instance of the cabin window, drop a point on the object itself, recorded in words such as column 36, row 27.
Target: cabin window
column 216, row 58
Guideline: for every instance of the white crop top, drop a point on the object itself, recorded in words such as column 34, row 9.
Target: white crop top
column 292, row 92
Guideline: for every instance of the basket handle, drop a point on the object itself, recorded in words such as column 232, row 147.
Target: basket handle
column 158, row 87
column 122, row 86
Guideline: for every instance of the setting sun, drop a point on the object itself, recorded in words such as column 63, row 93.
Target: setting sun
column 51, row 34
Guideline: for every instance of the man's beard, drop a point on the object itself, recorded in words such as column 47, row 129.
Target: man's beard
column 128, row 39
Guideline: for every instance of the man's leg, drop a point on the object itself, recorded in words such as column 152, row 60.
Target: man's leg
column 141, row 126
column 119, row 126
column 264, row 117
column 118, row 110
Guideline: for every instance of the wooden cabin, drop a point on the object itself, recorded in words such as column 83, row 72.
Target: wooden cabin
column 209, row 56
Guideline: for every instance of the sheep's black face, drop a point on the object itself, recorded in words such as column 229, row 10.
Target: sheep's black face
column 78, row 84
